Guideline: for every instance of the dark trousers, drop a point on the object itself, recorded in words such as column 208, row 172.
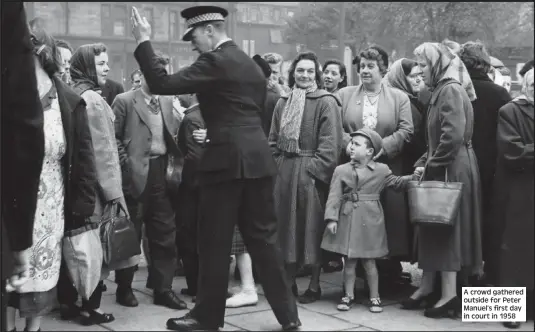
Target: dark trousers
column 159, row 218
column 67, row 294
column 248, row 202
column 4, row 306
column 187, row 215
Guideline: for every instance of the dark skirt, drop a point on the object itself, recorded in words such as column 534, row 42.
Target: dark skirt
column 33, row 304
column 238, row 247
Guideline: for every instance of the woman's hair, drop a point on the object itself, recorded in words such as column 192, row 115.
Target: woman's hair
column 161, row 58
column 305, row 56
column 44, row 48
column 504, row 71
column 343, row 71
column 455, row 47
column 273, row 58
column 98, row 48
column 407, row 65
column 475, row 56
column 63, row 44
column 373, row 53
column 134, row 73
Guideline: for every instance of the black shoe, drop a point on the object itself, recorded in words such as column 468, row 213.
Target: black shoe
column 96, row 318
column 448, row 309
column 69, row 312
column 149, row 284
column 126, row 297
column 428, row 301
column 103, row 287
column 292, row 326
column 511, row 325
column 309, row 296
column 169, row 299
column 186, row 323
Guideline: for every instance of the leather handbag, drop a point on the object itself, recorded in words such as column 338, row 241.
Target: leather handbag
column 118, row 236
column 434, row 202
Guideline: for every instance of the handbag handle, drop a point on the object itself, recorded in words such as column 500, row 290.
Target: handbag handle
column 423, row 174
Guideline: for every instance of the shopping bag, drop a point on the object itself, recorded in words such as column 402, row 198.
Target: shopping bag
column 118, row 236
column 82, row 252
column 434, row 202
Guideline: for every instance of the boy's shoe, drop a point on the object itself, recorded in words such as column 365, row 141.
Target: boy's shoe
column 375, row 305
column 345, row 303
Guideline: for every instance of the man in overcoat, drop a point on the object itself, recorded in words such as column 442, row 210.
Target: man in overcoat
column 236, row 169
column 145, row 129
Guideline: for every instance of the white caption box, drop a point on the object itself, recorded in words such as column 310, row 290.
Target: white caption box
column 494, row 304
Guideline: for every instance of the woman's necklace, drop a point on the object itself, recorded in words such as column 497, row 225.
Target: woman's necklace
column 372, row 95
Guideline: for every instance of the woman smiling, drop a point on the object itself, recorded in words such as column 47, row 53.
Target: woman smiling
column 305, row 139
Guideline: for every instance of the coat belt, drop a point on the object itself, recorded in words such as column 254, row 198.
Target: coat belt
column 302, row 153
column 356, row 197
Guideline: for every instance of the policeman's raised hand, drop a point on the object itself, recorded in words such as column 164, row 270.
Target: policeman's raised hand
column 141, row 28
column 332, row 226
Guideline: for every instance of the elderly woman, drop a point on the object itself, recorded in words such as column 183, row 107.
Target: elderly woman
column 386, row 110
column 509, row 262
column 450, row 123
column 305, row 139
column 67, row 183
column 89, row 69
column 334, row 75
column 491, row 97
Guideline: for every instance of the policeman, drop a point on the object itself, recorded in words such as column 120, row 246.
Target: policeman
column 236, row 169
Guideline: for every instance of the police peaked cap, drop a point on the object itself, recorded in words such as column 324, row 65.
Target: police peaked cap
column 201, row 14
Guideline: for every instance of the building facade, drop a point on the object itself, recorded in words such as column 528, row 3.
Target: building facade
column 257, row 27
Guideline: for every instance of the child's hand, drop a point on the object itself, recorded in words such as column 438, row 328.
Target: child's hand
column 332, row 226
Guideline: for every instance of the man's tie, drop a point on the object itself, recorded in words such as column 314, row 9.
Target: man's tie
column 155, row 106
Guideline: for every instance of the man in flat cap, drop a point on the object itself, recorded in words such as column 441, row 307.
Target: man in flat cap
column 236, row 169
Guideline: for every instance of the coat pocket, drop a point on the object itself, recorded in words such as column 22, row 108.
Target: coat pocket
column 215, row 158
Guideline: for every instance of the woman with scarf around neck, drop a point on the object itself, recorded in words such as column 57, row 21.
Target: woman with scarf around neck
column 509, row 261
column 305, row 139
column 450, row 123
column 386, row 110
column 88, row 70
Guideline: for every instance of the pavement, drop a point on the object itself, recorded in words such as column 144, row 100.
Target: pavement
column 319, row 316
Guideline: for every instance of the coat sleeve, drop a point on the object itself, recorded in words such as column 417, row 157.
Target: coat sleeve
column 398, row 183
column 393, row 144
column 452, row 126
column 22, row 128
column 330, row 130
column 85, row 184
column 275, row 128
column 342, row 95
column 334, row 200
column 108, row 173
column 512, row 149
column 194, row 149
column 199, row 77
column 120, row 111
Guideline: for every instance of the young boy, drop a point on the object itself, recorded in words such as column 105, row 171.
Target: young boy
column 356, row 227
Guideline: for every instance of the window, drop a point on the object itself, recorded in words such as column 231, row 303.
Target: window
column 277, row 15
column 251, row 48
column 119, row 20
column 107, row 24
column 276, row 36
column 253, row 15
column 245, row 46
column 174, row 26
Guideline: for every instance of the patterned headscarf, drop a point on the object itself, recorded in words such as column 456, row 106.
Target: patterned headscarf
column 292, row 116
column 83, row 69
column 527, row 80
column 445, row 65
column 396, row 78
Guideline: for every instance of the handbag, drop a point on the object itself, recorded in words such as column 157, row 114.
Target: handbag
column 82, row 253
column 434, row 202
column 118, row 236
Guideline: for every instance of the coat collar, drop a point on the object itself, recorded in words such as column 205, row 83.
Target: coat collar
column 224, row 44
column 525, row 107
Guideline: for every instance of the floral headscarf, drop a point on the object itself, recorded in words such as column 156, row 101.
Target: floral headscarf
column 396, row 78
column 445, row 65
column 526, row 82
column 83, row 69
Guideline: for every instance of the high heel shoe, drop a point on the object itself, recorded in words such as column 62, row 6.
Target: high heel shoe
column 428, row 301
column 449, row 309
column 95, row 318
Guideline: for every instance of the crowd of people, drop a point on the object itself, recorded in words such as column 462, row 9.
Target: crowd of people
column 292, row 175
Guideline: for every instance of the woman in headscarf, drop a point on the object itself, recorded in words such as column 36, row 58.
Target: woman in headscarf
column 386, row 110
column 89, row 69
column 406, row 75
column 450, row 123
column 67, row 183
column 509, row 262
column 305, row 139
